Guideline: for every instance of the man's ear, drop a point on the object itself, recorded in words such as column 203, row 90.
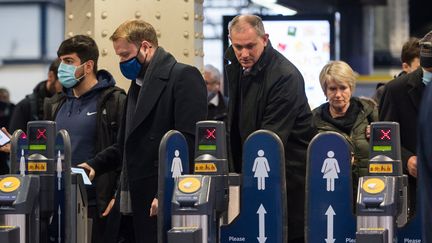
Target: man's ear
column 146, row 44
column 89, row 66
column 265, row 38
column 405, row 66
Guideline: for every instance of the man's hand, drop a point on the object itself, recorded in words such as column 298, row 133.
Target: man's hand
column 412, row 166
column 91, row 173
column 5, row 148
column 154, row 207
column 108, row 208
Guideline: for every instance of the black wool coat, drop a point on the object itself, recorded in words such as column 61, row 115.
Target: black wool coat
column 174, row 97
column 273, row 98
column 401, row 103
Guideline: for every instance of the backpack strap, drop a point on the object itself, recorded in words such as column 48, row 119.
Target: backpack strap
column 109, row 101
column 33, row 106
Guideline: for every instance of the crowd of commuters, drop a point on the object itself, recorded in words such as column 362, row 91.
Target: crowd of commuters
column 116, row 136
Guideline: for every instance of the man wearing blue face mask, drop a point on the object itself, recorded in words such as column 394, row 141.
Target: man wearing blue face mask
column 89, row 108
column 401, row 103
column 164, row 95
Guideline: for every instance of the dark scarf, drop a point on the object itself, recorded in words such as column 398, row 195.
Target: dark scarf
column 344, row 123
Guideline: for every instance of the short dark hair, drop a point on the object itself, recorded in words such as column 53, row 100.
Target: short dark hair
column 54, row 67
column 410, row 50
column 84, row 46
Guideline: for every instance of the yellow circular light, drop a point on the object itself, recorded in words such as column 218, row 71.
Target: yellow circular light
column 189, row 185
column 373, row 185
column 9, row 184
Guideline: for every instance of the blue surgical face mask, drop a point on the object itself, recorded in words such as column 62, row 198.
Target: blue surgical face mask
column 131, row 68
column 66, row 75
column 427, row 77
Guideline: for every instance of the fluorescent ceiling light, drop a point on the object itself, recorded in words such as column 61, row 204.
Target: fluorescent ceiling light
column 277, row 8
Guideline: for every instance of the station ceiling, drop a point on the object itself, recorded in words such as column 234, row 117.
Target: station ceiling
column 314, row 6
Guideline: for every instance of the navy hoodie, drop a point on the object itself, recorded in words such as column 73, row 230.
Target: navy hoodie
column 78, row 117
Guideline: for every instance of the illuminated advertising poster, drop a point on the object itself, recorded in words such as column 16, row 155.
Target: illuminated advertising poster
column 307, row 45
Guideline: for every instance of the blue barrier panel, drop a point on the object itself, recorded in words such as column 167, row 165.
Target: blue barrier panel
column 262, row 215
column 329, row 202
column 173, row 161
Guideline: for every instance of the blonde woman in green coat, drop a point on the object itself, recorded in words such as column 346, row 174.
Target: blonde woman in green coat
column 347, row 115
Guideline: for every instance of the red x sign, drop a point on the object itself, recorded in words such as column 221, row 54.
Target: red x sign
column 385, row 134
column 41, row 134
column 211, row 133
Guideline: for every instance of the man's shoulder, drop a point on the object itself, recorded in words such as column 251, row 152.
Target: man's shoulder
column 179, row 66
column 281, row 65
column 184, row 72
column 396, row 85
column 26, row 101
column 402, row 81
column 111, row 93
column 58, row 97
column 112, row 90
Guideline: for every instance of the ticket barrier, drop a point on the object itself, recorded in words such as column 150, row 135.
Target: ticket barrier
column 59, row 199
column 193, row 205
column 200, row 201
column 380, row 213
column 382, row 195
column 19, row 208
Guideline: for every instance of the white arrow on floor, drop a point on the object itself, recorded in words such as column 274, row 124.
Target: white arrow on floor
column 330, row 214
column 261, row 218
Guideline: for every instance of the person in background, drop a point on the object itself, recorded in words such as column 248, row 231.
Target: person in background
column 410, row 58
column 31, row 107
column 217, row 102
column 4, row 95
column 164, row 95
column 424, row 159
column 6, row 110
column 401, row 103
column 267, row 92
column 90, row 109
column 347, row 115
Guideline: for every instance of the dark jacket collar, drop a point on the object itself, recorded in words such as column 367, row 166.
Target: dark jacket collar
column 160, row 65
column 415, row 87
column 155, row 79
column 415, row 78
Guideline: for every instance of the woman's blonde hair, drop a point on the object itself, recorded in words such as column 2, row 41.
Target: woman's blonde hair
column 339, row 72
